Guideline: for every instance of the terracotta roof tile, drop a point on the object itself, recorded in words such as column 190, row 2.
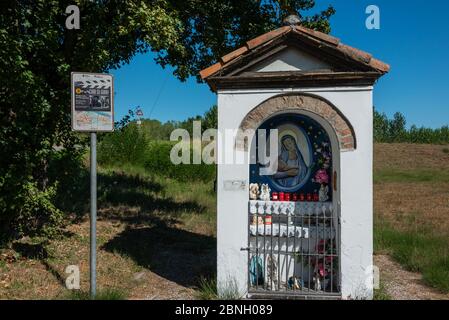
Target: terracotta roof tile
column 234, row 54
column 350, row 52
column 210, row 70
column 355, row 53
column 251, row 44
column 377, row 64
column 319, row 35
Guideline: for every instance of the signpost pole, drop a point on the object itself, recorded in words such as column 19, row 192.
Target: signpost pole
column 92, row 111
column 93, row 214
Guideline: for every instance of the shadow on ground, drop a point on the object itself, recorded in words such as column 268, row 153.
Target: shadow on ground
column 150, row 237
column 176, row 255
column 137, row 200
column 129, row 198
column 37, row 251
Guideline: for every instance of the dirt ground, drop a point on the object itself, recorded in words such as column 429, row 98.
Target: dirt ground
column 400, row 284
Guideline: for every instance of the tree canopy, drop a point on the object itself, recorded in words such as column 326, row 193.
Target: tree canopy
column 37, row 54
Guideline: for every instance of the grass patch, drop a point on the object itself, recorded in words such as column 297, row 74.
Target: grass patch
column 106, row 294
column 207, row 289
column 397, row 175
column 418, row 250
column 381, row 293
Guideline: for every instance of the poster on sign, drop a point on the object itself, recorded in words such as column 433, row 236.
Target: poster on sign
column 92, row 102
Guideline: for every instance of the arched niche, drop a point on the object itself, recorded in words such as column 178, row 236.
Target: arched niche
column 298, row 102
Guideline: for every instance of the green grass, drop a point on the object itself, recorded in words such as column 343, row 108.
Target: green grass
column 394, row 175
column 192, row 203
column 381, row 293
column 419, row 250
column 106, row 294
column 207, row 289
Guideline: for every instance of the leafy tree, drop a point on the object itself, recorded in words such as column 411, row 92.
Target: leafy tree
column 397, row 128
column 381, row 127
column 210, row 118
column 394, row 130
column 37, row 54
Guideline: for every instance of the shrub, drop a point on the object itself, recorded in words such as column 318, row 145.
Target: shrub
column 157, row 161
column 125, row 146
column 31, row 205
column 36, row 213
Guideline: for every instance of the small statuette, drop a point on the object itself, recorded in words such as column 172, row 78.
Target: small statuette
column 253, row 191
column 323, row 194
column 257, row 220
column 265, row 193
column 272, row 273
column 293, row 283
column 317, row 282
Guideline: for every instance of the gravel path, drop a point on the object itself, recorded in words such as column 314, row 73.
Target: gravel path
column 401, row 284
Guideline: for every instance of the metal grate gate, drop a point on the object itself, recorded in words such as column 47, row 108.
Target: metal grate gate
column 293, row 248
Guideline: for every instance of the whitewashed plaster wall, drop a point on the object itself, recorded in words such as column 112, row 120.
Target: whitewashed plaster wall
column 355, row 185
column 291, row 60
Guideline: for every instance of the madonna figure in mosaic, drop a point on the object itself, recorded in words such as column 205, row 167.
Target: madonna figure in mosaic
column 291, row 166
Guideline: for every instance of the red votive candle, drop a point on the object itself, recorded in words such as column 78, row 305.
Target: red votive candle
column 295, row 197
column 302, row 197
column 274, row 196
column 316, row 197
column 287, row 196
column 281, row 196
column 309, row 197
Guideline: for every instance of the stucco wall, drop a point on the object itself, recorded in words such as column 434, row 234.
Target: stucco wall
column 355, row 103
column 291, row 60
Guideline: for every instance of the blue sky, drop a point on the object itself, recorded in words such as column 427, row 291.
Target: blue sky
column 413, row 39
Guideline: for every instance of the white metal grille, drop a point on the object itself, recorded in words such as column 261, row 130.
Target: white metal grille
column 293, row 248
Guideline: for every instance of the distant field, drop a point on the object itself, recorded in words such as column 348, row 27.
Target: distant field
column 411, row 204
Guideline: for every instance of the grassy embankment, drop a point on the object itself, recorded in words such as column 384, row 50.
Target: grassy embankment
column 412, row 208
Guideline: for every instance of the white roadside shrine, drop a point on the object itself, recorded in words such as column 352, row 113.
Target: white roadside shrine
column 314, row 237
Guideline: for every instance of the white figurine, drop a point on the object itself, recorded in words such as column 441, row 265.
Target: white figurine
column 323, row 193
column 272, row 273
column 317, row 282
column 253, row 191
column 265, row 193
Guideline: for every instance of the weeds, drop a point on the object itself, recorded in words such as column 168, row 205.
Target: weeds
column 106, row 294
column 418, row 250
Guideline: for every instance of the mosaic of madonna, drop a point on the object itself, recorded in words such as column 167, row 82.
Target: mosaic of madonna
column 304, row 162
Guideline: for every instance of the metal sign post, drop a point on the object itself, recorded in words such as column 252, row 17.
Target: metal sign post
column 93, row 214
column 92, row 111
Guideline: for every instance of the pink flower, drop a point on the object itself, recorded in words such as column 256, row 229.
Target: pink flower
column 321, row 177
column 321, row 270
